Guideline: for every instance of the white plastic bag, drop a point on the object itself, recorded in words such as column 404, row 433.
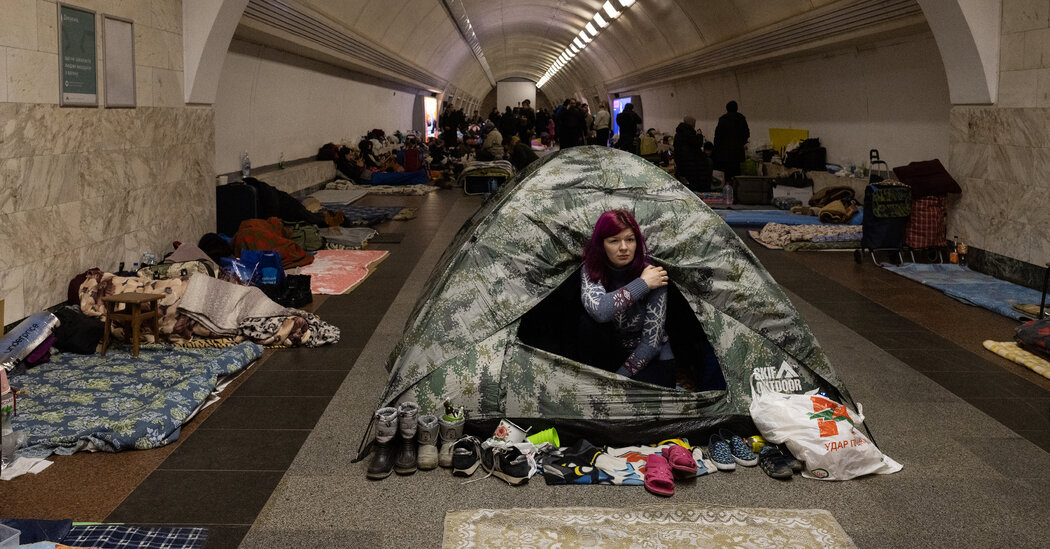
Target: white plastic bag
column 822, row 433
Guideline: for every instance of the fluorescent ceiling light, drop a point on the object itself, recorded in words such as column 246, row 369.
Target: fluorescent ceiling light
column 570, row 53
column 583, row 36
column 574, row 48
column 610, row 10
column 578, row 43
column 602, row 23
column 626, row 3
column 590, row 28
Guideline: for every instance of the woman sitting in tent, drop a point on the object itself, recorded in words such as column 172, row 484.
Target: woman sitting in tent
column 621, row 290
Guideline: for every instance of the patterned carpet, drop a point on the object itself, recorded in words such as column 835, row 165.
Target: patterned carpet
column 659, row 525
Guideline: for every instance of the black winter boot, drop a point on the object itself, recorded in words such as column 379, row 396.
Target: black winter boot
column 408, row 422
column 383, row 453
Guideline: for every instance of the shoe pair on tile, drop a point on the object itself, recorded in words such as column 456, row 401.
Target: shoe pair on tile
column 778, row 463
column 660, row 469
column 502, row 461
column 728, row 449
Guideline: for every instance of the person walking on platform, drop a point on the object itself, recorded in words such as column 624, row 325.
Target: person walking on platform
column 602, row 120
column 731, row 136
column 628, row 121
column 689, row 158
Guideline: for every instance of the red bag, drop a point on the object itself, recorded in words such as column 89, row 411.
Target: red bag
column 927, row 226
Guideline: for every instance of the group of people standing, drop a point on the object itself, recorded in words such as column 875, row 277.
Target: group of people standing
column 696, row 158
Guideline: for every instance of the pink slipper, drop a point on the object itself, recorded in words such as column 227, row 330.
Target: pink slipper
column 658, row 479
column 681, row 460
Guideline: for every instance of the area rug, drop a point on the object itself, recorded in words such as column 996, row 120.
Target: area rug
column 969, row 286
column 335, row 272
column 410, row 190
column 338, row 196
column 1010, row 350
column 357, row 216
column 651, row 526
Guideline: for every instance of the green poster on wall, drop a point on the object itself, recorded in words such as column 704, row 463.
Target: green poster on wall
column 78, row 63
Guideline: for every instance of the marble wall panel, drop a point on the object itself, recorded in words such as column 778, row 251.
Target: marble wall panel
column 67, row 225
column 1042, row 85
column 1025, row 127
column 1036, row 49
column 3, row 74
column 1010, row 163
column 167, row 88
column 12, row 290
column 46, row 31
column 148, row 47
column 103, row 254
column 104, row 219
column 26, row 82
column 48, row 180
column 10, row 177
column 1018, row 88
column 118, row 129
column 166, row 15
column 143, row 86
column 70, row 130
column 969, row 160
column 1011, row 51
column 49, row 281
column 158, row 127
column 1024, row 15
column 959, row 125
column 103, row 175
column 171, row 48
column 136, row 10
column 18, row 25
column 1041, row 170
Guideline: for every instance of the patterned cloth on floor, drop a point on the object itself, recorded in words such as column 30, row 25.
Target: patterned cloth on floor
column 411, row 190
column 357, row 216
column 107, row 536
column 778, row 235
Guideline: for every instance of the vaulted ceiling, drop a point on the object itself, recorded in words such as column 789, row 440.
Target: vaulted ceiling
column 428, row 43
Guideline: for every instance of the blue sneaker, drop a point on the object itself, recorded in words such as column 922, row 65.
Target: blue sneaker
column 721, row 453
column 741, row 450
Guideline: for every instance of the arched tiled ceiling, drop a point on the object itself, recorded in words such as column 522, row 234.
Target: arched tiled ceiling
column 522, row 38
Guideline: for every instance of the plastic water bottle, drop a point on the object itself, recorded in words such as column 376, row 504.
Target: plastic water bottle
column 280, row 162
column 246, row 165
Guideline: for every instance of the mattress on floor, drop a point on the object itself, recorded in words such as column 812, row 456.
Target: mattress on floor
column 119, row 402
column 753, row 218
column 969, row 286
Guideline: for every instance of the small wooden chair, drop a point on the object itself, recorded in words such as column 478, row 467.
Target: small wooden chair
column 133, row 313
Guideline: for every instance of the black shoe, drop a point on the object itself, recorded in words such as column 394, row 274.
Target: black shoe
column 775, row 462
column 507, row 463
column 466, row 456
column 405, row 464
column 382, row 461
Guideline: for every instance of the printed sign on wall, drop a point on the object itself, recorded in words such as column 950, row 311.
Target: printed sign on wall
column 78, row 79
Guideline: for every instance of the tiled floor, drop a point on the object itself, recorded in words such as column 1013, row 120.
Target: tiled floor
column 222, row 474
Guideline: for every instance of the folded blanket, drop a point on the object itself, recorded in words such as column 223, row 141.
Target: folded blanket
column 775, row 234
column 838, row 211
column 229, row 309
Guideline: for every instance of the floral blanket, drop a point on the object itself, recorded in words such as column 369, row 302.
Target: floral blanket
column 118, row 402
column 777, row 235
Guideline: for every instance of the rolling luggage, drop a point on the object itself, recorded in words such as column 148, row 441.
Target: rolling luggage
column 887, row 207
column 234, row 202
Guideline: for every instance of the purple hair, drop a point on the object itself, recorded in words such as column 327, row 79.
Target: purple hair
column 595, row 260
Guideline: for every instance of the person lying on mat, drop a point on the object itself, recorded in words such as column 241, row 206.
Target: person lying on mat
column 619, row 288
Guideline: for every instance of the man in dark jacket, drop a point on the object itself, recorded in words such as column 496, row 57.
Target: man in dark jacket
column 628, row 122
column 690, row 162
column 731, row 136
column 572, row 127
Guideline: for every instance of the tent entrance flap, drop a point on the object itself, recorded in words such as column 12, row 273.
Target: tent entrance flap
column 561, row 326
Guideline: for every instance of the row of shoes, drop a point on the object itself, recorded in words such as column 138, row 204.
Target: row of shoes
column 729, row 449
column 661, row 469
column 406, row 441
column 499, row 459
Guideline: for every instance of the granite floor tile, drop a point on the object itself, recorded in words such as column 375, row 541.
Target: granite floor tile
column 331, row 357
column 225, row 537
column 273, row 412
column 198, row 497
column 1014, row 413
column 259, row 449
column 969, row 385
column 300, row 383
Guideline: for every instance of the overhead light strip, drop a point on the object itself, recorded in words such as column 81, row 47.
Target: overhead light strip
column 611, row 9
column 459, row 16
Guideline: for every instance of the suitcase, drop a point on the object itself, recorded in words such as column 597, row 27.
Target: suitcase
column 754, row 190
column 234, row 202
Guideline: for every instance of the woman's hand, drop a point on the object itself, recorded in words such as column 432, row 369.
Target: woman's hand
column 654, row 276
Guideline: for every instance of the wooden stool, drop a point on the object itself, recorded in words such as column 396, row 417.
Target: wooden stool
column 132, row 312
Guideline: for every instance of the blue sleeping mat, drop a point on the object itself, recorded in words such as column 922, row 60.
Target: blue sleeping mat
column 758, row 218
column 119, row 402
column 970, row 286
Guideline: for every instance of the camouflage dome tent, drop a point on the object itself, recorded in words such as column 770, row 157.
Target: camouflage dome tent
column 463, row 340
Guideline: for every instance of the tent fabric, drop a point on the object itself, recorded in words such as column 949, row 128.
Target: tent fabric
column 461, row 340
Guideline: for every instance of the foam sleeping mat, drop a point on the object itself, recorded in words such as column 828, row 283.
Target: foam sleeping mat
column 758, row 218
column 969, row 286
